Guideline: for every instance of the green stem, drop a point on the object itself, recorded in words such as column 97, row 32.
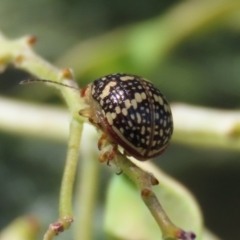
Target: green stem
column 87, row 190
column 21, row 54
column 144, row 181
column 65, row 205
column 65, row 202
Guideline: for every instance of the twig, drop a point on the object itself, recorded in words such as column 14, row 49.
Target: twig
column 20, row 53
column 206, row 126
column 87, row 186
column 65, row 203
column 145, row 181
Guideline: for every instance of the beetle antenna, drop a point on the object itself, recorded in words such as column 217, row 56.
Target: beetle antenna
column 45, row 80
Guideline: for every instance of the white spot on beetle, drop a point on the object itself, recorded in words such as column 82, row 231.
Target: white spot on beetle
column 166, row 139
column 165, row 108
column 138, row 97
column 130, row 124
column 160, row 100
column 143, row 96
column 127, row 103
column 134, row 103
column 117, row 109
column 124, row 111
column 126, row 78
column 114, row 115
column 155, row 97
column 161, row 132
column 168, row 130
column 138, row 118
column 106, row 90
column 164, row 123
column 143, row 130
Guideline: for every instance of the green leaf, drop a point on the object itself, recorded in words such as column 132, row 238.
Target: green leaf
column 22, row 228
column 128, row 218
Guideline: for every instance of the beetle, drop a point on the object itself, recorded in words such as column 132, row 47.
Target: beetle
column 131, row 112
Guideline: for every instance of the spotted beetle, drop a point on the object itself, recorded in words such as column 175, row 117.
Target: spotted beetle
column 131, row 112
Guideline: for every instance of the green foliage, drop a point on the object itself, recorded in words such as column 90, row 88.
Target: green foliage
column 190, row 49
column 128, row 218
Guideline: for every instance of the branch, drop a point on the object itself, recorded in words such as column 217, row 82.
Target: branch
column 19, row 52
column 206, row 126
column 145, row 181
column 193, row 125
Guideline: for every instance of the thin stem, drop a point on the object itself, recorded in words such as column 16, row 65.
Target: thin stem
column 65, row 205
column 87, row 199
column 145, row 181
column 151, row 201
column 65, row 202
column 88, row 185
column 206, row 126
column 49, row 122
column 20, row 53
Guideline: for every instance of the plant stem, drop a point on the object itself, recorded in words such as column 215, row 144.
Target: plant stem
column 65, row 205
column 20, row 53
column 145, row 181
column 65, row 202
column 88, row 185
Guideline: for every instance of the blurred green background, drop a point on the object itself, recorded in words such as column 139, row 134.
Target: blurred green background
column 191, row 51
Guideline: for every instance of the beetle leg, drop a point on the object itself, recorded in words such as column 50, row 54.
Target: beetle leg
column 88, row 113
column 103, row 156
column 112, row 154
column 119, row 173
column 108, row 153
column 101, row 141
